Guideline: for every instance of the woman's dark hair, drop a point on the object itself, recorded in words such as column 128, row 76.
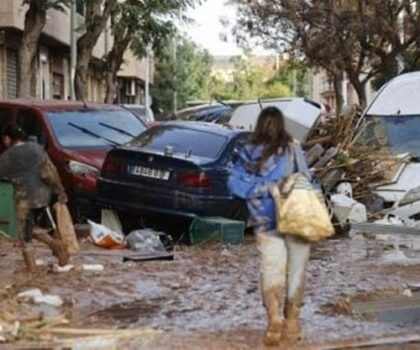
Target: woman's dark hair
column 270, row 133
column 14, row 131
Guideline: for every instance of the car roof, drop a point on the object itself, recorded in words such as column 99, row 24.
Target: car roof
column 202, row 107
column 206, row 127
column 133, row 105
column 400, row 96
column 56, row 105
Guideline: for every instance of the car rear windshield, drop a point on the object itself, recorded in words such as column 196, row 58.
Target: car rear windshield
column 182, row 140
column 94, row 128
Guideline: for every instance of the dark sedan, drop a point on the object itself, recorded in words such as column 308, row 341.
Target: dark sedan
column 212, row 113
column 174, row 169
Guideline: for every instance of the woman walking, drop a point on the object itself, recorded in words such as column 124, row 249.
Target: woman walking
column 270, row 157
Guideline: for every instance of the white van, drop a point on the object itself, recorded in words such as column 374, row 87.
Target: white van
column 392, row 120
column 300, row 115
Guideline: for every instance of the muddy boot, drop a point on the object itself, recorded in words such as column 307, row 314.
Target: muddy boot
column 273, row 332
column 292, row 331
column 58, row 247
column 29, row 258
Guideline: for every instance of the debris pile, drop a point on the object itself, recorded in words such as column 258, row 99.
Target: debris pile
column 22, row 321
column 337, row 157
column 340, row 161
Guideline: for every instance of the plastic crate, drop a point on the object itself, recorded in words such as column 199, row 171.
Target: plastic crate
column 8, row 223
column 204, row 229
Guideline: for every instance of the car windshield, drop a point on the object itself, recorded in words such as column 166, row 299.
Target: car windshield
column 94, row 128
column 141, row 112
column 398, row 133
column 182, row 140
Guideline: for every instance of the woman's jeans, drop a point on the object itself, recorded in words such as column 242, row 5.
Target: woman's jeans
column 283, row 261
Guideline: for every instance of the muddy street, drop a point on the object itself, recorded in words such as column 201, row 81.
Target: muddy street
column 209, row 297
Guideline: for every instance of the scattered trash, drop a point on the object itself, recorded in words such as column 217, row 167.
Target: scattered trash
column 145, row 241
column 149, row 257
column 347, row 210
column 38, row 297
column 61, row 269
column 9, row 331
column 106, row 238
column 408, row 293
column 48, row 299
column 110, row 219
column 92, row 267
column 41, row 262
column 30, row 294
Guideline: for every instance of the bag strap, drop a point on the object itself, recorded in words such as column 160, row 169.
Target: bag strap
column 292, row 166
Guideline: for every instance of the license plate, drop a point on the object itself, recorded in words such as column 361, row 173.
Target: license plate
column 150, row 172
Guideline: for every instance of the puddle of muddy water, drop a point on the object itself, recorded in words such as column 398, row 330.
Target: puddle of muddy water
column 129, row 313
column 398, row 310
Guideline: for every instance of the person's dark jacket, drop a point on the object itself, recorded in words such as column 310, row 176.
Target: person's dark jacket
column 32, row 173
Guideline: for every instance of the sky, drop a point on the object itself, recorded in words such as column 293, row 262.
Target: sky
column 206, row 29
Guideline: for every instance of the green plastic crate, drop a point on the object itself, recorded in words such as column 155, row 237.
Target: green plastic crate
column 8, row 223
column 204, row 229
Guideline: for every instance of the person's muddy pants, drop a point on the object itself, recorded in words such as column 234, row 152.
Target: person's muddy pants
column 283, row 261
column 28, row 219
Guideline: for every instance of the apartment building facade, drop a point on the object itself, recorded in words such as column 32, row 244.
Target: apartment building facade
column 322, row 90
column 53, row 58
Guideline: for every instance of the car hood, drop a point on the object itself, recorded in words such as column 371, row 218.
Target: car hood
column 300, row 115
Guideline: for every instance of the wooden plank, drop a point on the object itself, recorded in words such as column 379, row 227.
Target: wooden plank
column 360, row 343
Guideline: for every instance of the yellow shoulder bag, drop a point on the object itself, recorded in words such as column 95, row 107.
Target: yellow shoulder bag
column 299, row 210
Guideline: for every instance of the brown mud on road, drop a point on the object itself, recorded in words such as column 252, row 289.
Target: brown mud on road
column 208, row 297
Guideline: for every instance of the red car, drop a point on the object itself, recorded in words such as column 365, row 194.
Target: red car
column 77, row 137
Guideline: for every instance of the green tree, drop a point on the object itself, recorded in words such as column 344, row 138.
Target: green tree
column 248, row 82
column 35, row 19
column 361, row 38
column 182, row 73
column 133, row 22
column 97, row 13
column 140, row 24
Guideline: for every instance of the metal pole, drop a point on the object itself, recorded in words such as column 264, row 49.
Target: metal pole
column 294, row 83
column 73, row 49
column 344, row 88
column 401, row 35
column 147, row 83
column 175, row 93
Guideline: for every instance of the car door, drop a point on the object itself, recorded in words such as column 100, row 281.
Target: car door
column 6, row 117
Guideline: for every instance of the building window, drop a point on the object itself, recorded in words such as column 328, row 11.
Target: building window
column 11, row 73
column 80, row 7
column 58, row 86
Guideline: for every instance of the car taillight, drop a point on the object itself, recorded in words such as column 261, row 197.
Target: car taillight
column 195, row 179
column 113, row 166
